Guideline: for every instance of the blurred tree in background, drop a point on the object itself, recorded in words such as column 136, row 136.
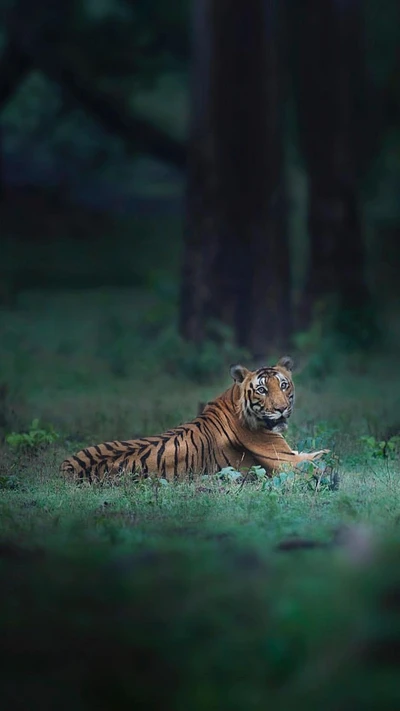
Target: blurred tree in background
column 330, row 91
column 94, row 110
column 68, row 46
column 236, row 264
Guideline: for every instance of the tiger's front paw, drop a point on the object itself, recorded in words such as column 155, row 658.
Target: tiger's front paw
column 319, row 454
column 312, row 456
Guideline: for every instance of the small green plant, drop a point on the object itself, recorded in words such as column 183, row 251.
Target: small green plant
column 381, row 449
column 322, row 436
column 323, row 476
column 36, row 438
column 229, row 474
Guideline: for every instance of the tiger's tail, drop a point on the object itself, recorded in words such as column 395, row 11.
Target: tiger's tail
column 75, row 471
column 94, row 463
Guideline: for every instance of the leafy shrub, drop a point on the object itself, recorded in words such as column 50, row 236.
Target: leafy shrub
column 322, row 477
column 318, row 349
column 36, row 438
column 381, row 449
column 201, row 362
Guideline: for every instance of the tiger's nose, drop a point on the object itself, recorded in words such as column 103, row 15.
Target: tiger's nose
column 281, row 409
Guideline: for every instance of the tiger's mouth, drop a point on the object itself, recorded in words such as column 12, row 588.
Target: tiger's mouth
column 275, row 424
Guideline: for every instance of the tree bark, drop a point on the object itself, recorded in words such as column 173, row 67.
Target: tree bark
column 14, row 68
column 329, row 73
column 236, row 261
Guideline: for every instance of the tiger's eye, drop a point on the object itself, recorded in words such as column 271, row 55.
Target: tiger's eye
column 262, row 390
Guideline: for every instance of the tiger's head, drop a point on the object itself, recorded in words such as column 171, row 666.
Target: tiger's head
column 266, row 397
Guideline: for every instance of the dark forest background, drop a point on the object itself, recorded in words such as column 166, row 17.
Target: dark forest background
column 186, row 184
column 241, row 160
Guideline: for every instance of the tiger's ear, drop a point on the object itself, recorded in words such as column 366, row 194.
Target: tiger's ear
column 286, row 362
column 238, row 373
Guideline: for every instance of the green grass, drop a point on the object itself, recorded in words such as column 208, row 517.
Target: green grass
column 189, row 595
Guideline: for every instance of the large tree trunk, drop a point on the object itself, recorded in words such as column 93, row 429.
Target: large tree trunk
column 14, row 67
column 236, row 261
column 329, row 73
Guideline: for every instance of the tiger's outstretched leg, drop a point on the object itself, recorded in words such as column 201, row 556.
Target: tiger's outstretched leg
column 272, row 452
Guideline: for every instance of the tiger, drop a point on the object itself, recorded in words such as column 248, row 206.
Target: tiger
column 241, row 428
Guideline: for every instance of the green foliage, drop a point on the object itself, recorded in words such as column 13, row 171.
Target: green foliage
column 357, row 328
column 115, row 345
column 229, row 474
column 204, row 362
column 332, row 337
column 322, row 437
column 318, row 347
column 9, row 482
column 381, row 448
column 317, row 477
column 36, row 438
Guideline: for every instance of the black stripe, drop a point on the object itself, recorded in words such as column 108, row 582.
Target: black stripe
column 226, row 458
column 128, row 444
column 176, row 445
column 221, row 429
column 210, row 439
column 160, row 453
column 187, row 455
column 79, row 461
column 216, row 423
column 143, row 461
column 141, row 448
column 208, row 434
column 193, row 441
column 87, row 454
column 266, row 371
column 202, row 462
column 194, row 448
column 217, row 463
column 108, row 447
column 125, row 464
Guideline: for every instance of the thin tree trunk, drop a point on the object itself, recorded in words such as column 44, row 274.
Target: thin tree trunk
column 201, row 235
column 14, row 67
column 236, row 262
column 329, row 65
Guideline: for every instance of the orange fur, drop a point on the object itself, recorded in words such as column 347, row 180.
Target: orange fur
column 240, row 428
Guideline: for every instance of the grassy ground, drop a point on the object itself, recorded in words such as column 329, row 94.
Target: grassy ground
column 193, row 595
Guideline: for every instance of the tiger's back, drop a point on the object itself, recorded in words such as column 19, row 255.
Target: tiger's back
column 205, row 445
